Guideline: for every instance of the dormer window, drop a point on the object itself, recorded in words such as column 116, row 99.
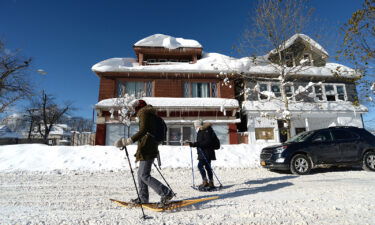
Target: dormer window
column 307, row 59
column 288, row 58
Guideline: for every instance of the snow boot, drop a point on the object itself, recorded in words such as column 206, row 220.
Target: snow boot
column 136, row 201
column 204, row 184
column 211, row 184
column 164, row 200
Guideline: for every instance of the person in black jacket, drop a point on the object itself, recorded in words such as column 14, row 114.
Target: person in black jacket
column 206, row 152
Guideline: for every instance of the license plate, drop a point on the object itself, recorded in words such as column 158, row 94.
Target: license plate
column 263, row 163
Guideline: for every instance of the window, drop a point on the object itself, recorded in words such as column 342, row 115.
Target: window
column 300, row 130
column 288, row 90
column 163, row 60
column 138, row 89
column 263, row 87
column 340, row 92
column 307, row 59
column 177, row 134
column 330, row 92
column 318, row 92
column 321, row 136
column 264, row 134
column 275, row 88
column 271, row 87
column 200, row 90
column 151, row 60
column 289, row 59
column 343, row 135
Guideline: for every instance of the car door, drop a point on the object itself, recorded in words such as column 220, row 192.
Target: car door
column 323, row 149
column 348, row 143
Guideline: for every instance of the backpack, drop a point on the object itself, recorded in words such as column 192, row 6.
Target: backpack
column 215, row 142
column 160, row 130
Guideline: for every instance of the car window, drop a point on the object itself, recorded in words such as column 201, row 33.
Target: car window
column 321, row 136
column 301, row 137
column 343, row 135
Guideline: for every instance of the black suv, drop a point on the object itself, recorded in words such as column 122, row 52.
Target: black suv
column 319, row 148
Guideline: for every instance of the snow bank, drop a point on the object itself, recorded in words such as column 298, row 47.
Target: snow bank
column 38, row 157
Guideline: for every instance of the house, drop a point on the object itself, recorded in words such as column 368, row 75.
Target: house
column 184, row 84
column 178, row 79
column 320, row 94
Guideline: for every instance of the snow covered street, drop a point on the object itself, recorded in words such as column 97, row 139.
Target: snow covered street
column 250, row 196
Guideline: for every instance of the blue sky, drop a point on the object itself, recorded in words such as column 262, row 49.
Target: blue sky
column 66, row 37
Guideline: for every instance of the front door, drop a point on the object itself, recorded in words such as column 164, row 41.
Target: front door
column 323, row 149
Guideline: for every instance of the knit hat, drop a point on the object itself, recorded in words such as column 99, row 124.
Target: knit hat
column 198, row 123
column 139, row 104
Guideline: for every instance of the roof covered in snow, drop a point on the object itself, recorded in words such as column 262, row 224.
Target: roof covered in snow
column 176, row 102
column 304, row 38
column 218, row 63
column 166, row 41
column 274, row 105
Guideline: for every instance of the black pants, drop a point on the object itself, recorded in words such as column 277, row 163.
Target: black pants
column 203, row 166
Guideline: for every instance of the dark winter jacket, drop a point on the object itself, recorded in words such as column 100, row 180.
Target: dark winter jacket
column 204, row 142
column 147, row 147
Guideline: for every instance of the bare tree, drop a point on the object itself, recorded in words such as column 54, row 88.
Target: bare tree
column 44, row 113
column 278, row 25
column 14, row 84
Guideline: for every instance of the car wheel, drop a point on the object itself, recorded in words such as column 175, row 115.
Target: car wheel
column 369, row 161
column 300, row 165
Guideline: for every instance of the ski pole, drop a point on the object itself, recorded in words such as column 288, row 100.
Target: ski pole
column 192, row 166
column 164, row 180
column 135, row 184
column 204, row 156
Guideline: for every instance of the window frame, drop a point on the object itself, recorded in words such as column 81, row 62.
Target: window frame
column 189, row 85
column 146, row 85
column 336, row 94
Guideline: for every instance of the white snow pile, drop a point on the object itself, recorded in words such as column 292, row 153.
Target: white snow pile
column 176, row 102
column 38, row 157
column 166, row 41
column 304, row 38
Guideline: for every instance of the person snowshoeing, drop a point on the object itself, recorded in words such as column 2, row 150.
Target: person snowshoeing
column 206, row 152
column 146, row 153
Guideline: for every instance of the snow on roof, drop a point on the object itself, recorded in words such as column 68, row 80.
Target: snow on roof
column 216, row 63
column 305, row 38
column 166, row 41
column 273, row 105
column 177, row 102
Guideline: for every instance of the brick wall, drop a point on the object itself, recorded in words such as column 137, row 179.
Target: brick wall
column 106, row 88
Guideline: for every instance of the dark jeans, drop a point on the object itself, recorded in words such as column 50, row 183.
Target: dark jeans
column 145, row 179
column 203, row 166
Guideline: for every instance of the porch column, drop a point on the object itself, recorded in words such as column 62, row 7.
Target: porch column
column 307, row 124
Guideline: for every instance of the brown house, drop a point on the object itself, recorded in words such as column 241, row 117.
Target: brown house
column 170, row 74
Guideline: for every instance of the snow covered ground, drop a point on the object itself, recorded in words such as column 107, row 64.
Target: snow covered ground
column 72, row 185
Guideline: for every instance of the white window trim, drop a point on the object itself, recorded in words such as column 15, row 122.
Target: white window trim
column 335, row 92
column 310, row 58
column 324, row 97
column 269, row 84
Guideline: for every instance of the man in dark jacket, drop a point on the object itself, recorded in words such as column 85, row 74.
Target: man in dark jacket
column 146, row 153
column 206, row 152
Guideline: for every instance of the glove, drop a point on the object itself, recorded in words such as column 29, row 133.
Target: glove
column 189, row 143
column 123, row 142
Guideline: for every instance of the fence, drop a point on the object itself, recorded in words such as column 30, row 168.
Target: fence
column 84, row 138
